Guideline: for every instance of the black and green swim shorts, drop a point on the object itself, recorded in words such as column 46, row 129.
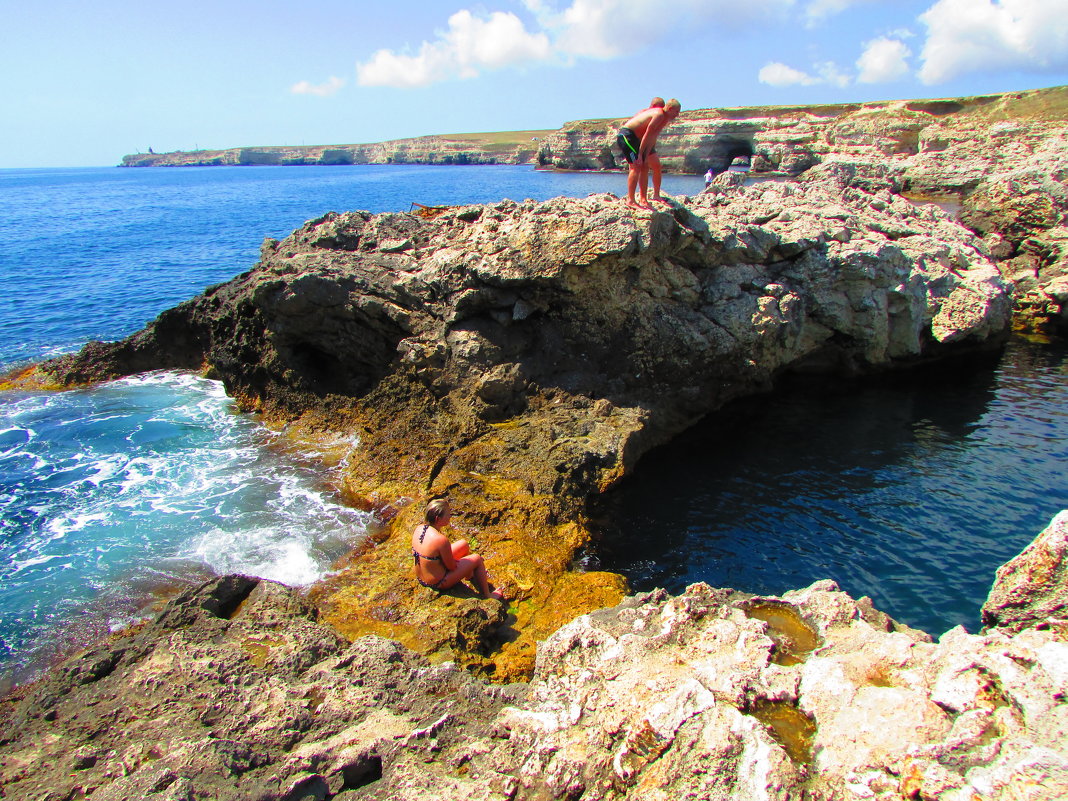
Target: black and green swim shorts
column 629, row 142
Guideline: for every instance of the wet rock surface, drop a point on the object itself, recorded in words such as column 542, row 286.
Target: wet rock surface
column 237, row 691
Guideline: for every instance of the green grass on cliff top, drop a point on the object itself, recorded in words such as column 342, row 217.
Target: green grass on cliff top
column 499, row 141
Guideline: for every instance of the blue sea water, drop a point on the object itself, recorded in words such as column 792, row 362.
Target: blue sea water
column 115, row 495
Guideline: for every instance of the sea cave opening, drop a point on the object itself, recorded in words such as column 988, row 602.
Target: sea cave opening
column 717, row 154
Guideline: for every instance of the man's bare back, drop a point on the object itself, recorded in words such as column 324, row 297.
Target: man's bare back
column 640, row 122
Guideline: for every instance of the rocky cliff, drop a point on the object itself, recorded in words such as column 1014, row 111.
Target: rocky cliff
column 236, row 691
column 509, row 147
column 522, row 357
column 1002, row 158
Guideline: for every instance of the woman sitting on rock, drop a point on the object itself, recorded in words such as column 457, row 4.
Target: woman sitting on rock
column 440, row 564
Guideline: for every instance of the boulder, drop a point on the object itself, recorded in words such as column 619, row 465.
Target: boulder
column 1031, row 590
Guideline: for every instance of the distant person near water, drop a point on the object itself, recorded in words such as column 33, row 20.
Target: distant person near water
column 709, row 176
column 440, row 564
column 637, row 141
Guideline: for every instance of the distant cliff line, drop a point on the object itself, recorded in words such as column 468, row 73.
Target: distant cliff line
column 784, row 139
column 509, row 147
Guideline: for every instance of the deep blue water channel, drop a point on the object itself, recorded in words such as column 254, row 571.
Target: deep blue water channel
column 911, row 489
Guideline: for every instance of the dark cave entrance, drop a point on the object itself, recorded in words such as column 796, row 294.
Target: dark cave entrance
column 717, row 153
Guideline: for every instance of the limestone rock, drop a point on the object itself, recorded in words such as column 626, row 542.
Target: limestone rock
column 517, row 147
column 1031, row 590
column 234, row 692
column 1003, row 157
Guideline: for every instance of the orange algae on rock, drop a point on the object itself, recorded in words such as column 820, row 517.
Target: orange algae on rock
column 375, row 591
column 29, row 379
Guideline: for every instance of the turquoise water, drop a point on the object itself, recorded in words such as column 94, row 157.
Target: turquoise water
column 114, row 495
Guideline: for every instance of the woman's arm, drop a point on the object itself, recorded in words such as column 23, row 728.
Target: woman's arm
column 445, row 552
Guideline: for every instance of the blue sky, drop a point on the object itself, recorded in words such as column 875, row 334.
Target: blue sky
column 85, row 83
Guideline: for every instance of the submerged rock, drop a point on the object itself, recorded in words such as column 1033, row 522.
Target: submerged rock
column 522, row 357
column 236, row 691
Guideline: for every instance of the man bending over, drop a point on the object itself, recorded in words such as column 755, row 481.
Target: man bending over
column 637, row 140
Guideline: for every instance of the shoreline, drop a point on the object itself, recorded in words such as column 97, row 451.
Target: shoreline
column 700, row 139
column 521, row 452
column 309, row 445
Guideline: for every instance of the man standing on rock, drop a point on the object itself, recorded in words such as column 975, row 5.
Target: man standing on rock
column 637, row 139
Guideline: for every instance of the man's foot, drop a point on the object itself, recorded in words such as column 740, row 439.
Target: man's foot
column 634, row 205
column 499, row 594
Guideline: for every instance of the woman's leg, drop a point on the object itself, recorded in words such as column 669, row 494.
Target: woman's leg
column 471, row 566
column 460, row 549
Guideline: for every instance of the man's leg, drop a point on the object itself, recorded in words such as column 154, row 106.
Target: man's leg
column 643, row 184
column 632, row 184
column 654, row 165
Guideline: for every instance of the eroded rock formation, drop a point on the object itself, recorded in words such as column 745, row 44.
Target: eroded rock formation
column 522, row 357
column 1032, row 589
column 516, row 147
column 1003, row 158
column 236, row 691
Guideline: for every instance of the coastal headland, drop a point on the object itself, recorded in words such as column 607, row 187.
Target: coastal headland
column 520, row 358
column 507, row 147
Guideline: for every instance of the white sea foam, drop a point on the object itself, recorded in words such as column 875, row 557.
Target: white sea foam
column 154, row 479
column 67, row 524
column 278, row 555
column 18, row 565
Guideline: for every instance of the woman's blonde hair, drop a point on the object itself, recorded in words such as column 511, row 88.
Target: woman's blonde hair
column 436, row 509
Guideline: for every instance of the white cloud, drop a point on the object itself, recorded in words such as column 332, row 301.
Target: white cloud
column 966, row 36
column 470, row 45
column 829, row 73
column 322, row 90
column 883, row 60
column 601, row 29
column 611, row 28
column 778, row 74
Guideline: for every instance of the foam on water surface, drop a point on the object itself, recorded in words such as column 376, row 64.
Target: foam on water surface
column 109, row 493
